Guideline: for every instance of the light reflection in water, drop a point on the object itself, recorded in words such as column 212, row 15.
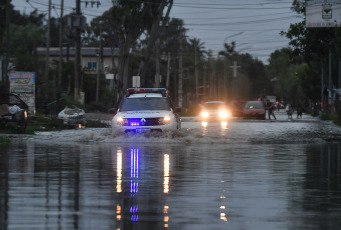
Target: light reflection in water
column 134, row 184
column 118, row 212
column 119, row 171
column 166, row 217
column 223, row 124
column 166, row 173
column 134, row 171
column 223, row 209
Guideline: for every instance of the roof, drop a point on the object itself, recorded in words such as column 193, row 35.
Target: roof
column 85, row 51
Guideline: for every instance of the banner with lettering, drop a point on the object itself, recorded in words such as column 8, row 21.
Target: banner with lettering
column 23, row 84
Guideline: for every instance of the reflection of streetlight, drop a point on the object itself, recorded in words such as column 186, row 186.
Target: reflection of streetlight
column 233, row 35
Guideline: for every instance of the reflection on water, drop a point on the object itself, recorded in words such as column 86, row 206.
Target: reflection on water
column 212, row 127
column 177, row 187
column 165, row 173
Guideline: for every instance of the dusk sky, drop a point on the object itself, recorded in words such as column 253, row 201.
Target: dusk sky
column 253, row 24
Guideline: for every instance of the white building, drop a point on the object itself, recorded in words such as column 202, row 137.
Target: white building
column 89, row 57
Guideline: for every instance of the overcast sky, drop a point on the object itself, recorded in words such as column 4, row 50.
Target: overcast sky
column 253, row 24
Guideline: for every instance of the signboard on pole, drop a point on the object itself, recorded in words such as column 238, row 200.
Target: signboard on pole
column 323, row 13
column 23, row 84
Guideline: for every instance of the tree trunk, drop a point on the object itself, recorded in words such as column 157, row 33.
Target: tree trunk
column 154, row 34
column 125, row 43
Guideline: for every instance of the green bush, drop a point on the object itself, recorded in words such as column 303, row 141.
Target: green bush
column 4, row 140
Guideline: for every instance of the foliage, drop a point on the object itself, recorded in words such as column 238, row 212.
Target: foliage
column 25, row 39
column 310, row 49
column 4, row 140
column 229, row 50
column 133, row 27
column 311, row 43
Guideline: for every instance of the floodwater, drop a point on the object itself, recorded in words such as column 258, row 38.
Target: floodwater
column 249, row 175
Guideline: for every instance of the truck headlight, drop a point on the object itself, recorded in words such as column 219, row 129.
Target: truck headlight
column 204, row 114
column 120, row 120
column 165, row 120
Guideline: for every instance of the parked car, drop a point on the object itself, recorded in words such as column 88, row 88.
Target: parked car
column 72, row 116
column 13, row 109
column 254, row 109
column 145, row 110
column 215, row 111
column 237, row 107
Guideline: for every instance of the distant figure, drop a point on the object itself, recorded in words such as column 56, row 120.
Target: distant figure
column 299, row 111
column 325, row 98
column 288, row 109
column 270, row 107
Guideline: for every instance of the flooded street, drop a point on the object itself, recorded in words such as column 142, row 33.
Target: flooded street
column 249, row 175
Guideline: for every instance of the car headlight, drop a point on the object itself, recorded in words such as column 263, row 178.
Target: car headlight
column 204, row 114
column 223, row 114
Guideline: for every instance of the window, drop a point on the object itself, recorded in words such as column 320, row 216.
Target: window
column 92, row 65
column 148, row 103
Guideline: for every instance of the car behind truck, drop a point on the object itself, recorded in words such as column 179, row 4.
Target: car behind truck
column 13, row 109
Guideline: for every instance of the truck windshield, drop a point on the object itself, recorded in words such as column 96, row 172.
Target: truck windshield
column 148, row 103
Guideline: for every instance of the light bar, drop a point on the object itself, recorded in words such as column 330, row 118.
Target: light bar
column 148, row 90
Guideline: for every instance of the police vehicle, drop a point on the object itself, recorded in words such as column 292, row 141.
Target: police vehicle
column 144, row 110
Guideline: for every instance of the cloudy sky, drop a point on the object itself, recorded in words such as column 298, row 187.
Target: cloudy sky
column 253, row 24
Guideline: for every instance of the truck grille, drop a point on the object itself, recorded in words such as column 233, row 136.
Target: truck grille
column 143, row 121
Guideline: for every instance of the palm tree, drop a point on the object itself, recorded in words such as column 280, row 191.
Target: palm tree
column 229, row 50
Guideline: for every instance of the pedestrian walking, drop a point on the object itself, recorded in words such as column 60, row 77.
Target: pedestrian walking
column 288, row 110
column 299, row 111
column 325, row 98
column 270, row 107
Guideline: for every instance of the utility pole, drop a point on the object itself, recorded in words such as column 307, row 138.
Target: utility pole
column 168, row 69
column 196, row 73
column 225, row 79
column 235, row 67
column 78, row 50
column 330, row 68
column 205, row 87
column 157, row 64
column 47, row 51
column 7, row 46
column 99, row 70
column 180, row 74
column 60, row 45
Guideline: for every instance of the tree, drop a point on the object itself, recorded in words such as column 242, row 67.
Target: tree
column 229, row 49
column 310, row 47
column 25, row 40
column 198, row 47
column 129, row 21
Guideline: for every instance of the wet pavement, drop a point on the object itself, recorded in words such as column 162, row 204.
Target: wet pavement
column 249, row 175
